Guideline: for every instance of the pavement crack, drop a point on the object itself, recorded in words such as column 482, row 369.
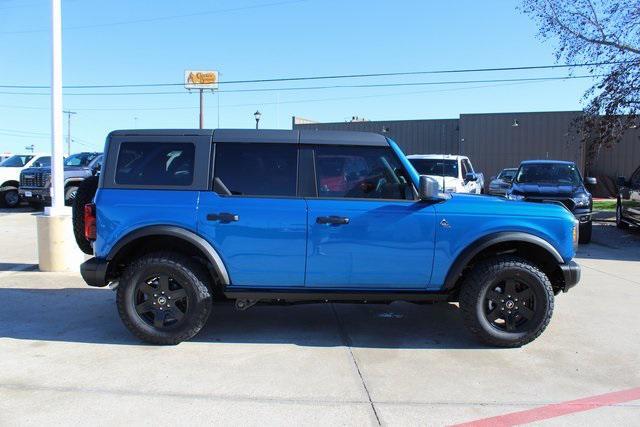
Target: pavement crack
column 346, row 339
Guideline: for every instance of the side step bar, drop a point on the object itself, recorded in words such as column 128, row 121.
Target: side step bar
column 289, row 295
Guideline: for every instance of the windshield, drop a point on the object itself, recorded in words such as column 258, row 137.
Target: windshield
column 549, row 173
column 82, row 159
column 439, row 167
column 507, row 175
column 17, row 161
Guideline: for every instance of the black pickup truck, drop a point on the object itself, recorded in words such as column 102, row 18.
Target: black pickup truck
column 558, row 181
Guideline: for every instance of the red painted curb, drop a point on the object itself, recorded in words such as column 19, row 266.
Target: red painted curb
column 558, row 409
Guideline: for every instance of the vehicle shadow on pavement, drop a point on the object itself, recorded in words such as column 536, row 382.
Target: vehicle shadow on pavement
column 609, row 242
column 90, row 316
column 12, row 266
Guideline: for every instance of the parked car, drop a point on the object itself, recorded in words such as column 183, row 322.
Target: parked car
column 628, row 206
column 501, row 183
column 558, row 181
column 454, row 174
column 35, row 182
column 10, row 175
column 182, row 217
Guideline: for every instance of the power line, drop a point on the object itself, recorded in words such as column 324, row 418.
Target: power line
column 159, row 18
column 333, row 77
column 299, row 88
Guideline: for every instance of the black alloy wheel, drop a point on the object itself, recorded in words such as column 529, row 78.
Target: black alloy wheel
column 161, row 301
column 509, row 305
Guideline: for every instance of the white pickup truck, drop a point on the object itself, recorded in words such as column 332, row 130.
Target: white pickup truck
column 10, row 175
column 455, row 174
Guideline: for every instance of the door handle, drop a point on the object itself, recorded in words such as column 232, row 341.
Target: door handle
column 223, row 217
column 335, row 220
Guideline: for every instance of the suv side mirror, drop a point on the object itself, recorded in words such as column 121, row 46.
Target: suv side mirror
column 96, row 169
column 428, row 189
column 471, row 177
column 621, row 181
column 591, row 180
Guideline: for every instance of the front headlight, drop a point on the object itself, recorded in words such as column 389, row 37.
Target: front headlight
column 582, row 201
column 512, row 196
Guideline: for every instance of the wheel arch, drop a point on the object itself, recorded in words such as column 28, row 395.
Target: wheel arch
column 151, row 238
column 10, row 183
column 525, row 245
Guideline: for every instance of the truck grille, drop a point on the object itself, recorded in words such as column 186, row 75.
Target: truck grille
column 35, row 179
column 568, row 203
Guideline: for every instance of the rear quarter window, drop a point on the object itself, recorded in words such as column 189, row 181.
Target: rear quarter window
column 165, row 164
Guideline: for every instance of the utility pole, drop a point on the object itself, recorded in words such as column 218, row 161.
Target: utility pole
column 69, row 113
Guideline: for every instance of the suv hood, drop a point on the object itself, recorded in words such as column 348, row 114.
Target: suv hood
column 545, row 190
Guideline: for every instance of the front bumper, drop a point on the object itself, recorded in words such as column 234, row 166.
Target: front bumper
column 32, row 194
column 571, row 275
column 582, row 214
column 94, row 272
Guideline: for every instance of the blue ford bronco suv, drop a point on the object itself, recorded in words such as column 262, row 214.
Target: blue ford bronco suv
column 184, row 217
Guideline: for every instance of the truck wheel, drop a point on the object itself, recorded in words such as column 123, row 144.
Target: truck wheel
column 619, row 221
column 163, row 298
column 9, row 198
column 584, row 235
column 70, row 195
column 506, row 301
column 84, row 195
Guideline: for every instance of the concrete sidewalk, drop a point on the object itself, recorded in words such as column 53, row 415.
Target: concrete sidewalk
column 67, row 359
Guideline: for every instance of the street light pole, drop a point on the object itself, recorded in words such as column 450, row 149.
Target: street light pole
column 57, row 150
column 69, row 113
column 257, row 115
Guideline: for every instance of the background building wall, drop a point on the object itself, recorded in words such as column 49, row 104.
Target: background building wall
column 493, row 142
column 414, row 136
column 497, row 141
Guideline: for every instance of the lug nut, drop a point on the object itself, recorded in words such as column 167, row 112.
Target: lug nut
column 155, row 295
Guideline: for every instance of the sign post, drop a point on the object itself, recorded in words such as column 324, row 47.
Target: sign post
column 201, row 80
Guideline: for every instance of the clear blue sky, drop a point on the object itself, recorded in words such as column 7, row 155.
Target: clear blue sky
column 248, row 39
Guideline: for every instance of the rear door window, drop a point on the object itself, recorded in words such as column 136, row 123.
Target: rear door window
column 164, row 164
column 245, row 169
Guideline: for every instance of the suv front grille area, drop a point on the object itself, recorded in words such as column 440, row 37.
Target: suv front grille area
column 568, row 203
column 35, row 179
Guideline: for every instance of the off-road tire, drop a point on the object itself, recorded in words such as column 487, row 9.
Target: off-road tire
column 194, row 279
column 482, row 277
column 619, row 221
column 84, row 195
column 585, row 231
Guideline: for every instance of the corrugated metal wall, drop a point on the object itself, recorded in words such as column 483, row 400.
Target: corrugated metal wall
column 622, row 159
column 494, row 142
column 414, row 136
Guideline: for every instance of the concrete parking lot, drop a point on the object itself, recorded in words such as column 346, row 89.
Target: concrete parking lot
column 65, row 357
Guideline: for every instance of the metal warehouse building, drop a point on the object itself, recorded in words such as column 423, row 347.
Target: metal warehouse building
column 497, row 141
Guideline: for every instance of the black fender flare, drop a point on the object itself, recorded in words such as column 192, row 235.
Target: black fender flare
column 482, row 243
column 181, row 233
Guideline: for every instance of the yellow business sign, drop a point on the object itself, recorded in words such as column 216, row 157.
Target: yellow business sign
column 198, row 79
